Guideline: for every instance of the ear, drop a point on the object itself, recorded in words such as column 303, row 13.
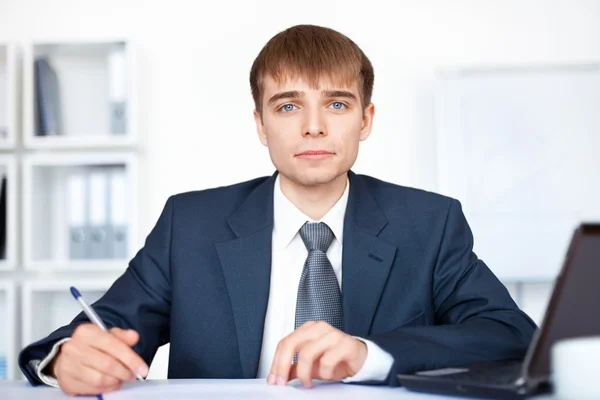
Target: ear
column 367, row 122
column 260, row 128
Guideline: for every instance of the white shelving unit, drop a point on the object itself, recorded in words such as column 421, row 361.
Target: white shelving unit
column 8, row 95
column 68, row 151
column 48, row 304
column 90, row 93
column 7, row 333
column 56, row 189
column 8, row 206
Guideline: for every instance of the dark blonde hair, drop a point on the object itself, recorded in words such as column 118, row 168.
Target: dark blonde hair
column 312, row 52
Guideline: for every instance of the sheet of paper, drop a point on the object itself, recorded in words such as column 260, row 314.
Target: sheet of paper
column 255, row 389
column 200, row 389
column 206, row 390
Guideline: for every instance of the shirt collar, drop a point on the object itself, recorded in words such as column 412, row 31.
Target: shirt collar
column 288, row 219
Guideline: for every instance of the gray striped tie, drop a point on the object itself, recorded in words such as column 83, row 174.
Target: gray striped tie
column 319, row 295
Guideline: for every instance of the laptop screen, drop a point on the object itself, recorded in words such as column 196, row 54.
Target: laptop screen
column 573, row 308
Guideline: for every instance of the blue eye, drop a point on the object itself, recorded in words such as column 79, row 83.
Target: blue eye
column 338, row 105
column 287, row 107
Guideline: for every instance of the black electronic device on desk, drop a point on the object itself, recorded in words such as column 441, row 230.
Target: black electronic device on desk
column 572, row 312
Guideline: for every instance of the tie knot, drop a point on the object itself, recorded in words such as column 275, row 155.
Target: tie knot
column 316, row 236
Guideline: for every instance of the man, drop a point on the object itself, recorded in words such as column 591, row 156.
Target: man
column 314, row 272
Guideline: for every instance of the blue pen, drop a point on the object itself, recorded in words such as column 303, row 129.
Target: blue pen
column 91, row 314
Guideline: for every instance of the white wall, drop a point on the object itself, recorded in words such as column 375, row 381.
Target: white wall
column 196, row 108
column 194, row 58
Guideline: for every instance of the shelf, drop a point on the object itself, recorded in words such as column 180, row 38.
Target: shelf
column 48, row 305
column 99, row 265
column 8, row 213
column 79, row 95
column 79, row 211
column 79, row 142
column 7, row 333
column 8, row 95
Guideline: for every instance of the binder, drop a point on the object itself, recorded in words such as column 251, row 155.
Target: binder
column 47, row 99
column 118, row 235
column 77, row 212
column 98, row 212
column 3, row 219
column 117, row 91
column 3, row 367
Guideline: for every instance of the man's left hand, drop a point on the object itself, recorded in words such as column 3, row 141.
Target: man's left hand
column 324, row 353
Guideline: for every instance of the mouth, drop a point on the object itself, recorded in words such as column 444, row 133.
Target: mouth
column 314, row 154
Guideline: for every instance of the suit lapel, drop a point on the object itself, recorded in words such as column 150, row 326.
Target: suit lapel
column 366, row 259
column 246, row 263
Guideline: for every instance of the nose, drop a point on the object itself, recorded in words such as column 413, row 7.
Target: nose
column 314, row 124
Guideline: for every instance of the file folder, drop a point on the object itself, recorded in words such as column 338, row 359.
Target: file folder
column 117, row 91
column 98, row 218
column 3, row 219
column 47, row 99
column 3, row 367
column 77, row 203
column 118, row 236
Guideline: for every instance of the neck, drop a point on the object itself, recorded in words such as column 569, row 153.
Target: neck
column 315, row 200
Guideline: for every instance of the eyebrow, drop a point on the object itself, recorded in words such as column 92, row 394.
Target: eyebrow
column 339, row 93
column 292, row 94
column 295, row 94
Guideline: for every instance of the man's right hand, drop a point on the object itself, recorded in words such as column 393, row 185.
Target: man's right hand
column 95, row 362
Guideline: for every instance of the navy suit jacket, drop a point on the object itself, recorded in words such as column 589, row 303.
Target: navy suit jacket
column 411, row 283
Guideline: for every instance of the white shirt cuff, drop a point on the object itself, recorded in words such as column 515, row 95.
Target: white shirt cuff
column 48, row 380
column 376, row 367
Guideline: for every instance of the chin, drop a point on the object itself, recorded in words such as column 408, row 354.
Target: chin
column 313, row 178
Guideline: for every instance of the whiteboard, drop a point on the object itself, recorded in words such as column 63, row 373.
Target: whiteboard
column 520, row 149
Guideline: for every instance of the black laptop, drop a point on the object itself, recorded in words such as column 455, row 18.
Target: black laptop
column 571, row 312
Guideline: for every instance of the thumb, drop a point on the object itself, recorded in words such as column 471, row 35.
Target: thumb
column 128, row 336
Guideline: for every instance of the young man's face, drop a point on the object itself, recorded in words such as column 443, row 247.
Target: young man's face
column 312, row 134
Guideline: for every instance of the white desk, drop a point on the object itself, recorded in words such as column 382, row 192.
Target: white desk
column 221, row 389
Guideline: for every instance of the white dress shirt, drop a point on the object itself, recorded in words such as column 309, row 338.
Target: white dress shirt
column 288, row 256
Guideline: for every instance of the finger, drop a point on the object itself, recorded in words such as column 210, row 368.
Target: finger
column 128, row 336
column 82, row 379
column 78, row 353
column 294, row 373
column 335, row 362
column 74, row 387
column 112, row 345
column 288, row 346
column 106, row 364
column 310, row 354
column 286, row 349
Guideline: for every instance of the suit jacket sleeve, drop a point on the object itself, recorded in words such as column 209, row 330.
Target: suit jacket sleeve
column 139, row 299
column 475, row 317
